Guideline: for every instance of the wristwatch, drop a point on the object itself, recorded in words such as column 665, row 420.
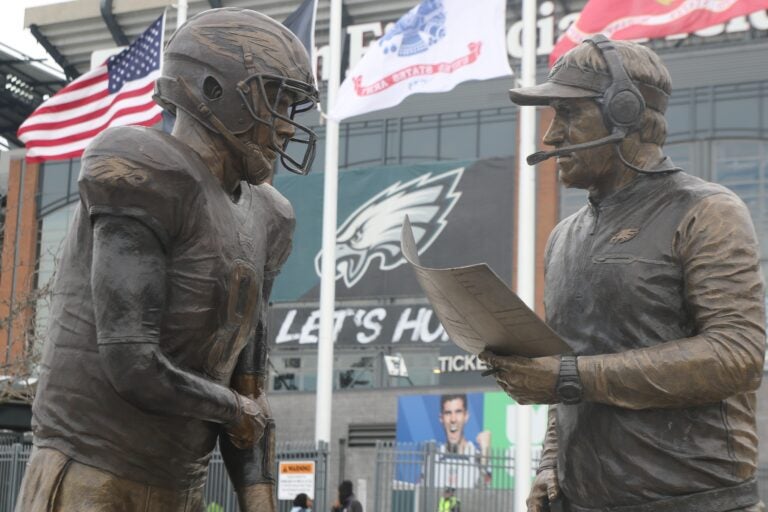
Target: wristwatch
column 569, row 383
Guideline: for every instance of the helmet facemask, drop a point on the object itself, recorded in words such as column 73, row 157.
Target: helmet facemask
column 273, row 92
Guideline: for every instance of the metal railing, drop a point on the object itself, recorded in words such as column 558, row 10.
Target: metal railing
column 413, row 477
column 219, row 493
column 762, row 482
column 408, row 477
column 13, row 462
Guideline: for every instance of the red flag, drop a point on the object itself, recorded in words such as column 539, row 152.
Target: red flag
column 117, row 93
column 637, row 19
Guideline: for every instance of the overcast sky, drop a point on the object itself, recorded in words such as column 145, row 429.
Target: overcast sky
column 13, row 33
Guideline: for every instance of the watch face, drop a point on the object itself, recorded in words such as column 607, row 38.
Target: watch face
column 569, row 391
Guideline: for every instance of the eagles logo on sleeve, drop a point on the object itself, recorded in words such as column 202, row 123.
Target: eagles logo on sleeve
column 373, row 230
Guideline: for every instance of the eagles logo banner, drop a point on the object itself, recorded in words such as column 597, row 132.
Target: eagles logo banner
column 464, row 212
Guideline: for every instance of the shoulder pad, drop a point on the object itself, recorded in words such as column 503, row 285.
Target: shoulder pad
column 150, row 148
column 141, row 173
column 281, row 224
column 276, row 203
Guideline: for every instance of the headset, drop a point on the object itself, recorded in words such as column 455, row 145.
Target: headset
column 622, row 106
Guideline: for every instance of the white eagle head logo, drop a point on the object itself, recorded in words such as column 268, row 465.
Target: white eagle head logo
column 373, row 230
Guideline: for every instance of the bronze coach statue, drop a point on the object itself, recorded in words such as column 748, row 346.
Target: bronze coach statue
column 656, row 286
column 156, row 348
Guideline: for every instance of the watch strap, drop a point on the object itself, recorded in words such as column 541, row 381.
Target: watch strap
column 569, row 388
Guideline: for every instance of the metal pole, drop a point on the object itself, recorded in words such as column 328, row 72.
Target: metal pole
column 526, row 240
column 328, row 270
column 181, row 12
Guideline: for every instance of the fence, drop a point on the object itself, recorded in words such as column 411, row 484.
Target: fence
column 412, row 478
column 219, row 494
column 762, row 482
column 408, row 477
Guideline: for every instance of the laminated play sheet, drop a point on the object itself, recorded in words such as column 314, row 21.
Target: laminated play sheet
column 479, row 311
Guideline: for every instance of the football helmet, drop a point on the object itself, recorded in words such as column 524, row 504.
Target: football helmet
column 236, row 71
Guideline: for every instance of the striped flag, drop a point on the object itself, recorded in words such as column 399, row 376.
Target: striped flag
column 117, row 93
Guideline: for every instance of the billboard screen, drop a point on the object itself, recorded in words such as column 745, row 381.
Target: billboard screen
column 470, row 438
column 462, row 212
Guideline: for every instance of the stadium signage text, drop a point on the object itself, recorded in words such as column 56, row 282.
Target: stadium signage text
column 549, row 29
column 359, row 326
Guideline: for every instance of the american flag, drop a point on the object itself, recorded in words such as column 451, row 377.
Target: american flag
column 117, row 93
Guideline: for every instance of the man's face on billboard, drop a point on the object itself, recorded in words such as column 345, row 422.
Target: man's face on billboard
column 453, row 417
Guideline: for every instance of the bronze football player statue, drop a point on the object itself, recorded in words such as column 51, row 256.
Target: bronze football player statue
column 656, row 286
column 157, row 348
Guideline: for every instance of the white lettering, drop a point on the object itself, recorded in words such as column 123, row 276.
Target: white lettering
column 424, row 332
column 372, row 322
column 407, row 323
column 546, row 26
column 461, row 363
column 711, row 31
column 737, row 24
column 322, row 57
column 515, row 40
column 310, row 326
column 283, row 336
column 357, row 46
column 547, row 35
column 759, row 19
column 338, row 321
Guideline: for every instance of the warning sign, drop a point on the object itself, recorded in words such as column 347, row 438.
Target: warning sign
column 296, row 476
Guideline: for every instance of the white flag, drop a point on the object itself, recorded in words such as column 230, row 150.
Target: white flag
column 437, row 45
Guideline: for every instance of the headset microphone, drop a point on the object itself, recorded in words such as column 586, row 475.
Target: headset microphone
column 540, row 156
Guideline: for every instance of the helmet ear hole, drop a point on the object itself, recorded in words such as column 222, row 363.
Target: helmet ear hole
column 212, row 88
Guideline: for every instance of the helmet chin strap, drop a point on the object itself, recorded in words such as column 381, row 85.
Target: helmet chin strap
column 255, row 167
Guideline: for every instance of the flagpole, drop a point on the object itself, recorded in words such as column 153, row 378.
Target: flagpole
column 181, row 12
column 328, row 271
column 526, row 240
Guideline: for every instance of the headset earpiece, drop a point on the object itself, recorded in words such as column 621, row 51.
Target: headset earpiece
column 622, row 104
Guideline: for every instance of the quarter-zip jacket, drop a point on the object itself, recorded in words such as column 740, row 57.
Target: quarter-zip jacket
column 658, row 289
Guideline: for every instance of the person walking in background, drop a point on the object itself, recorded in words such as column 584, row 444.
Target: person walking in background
column 302, row 503
column 347, row 501
column 449, row 502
